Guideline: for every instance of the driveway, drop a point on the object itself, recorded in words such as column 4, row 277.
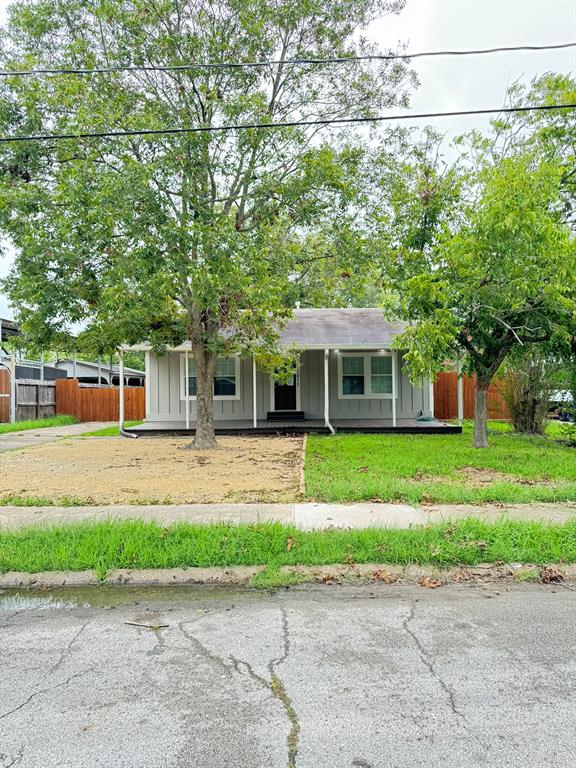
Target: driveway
column 324, row 677
column 30, row 437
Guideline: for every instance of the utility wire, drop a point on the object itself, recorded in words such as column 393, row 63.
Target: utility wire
column 276, row 62
column 290, row 124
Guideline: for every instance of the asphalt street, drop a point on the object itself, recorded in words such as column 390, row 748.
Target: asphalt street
column 317, row 677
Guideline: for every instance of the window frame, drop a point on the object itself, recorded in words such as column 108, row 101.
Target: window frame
column 368, row 394
column 183, row 382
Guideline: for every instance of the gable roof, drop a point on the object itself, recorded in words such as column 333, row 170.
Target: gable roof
column 350, row 328
column 334, row 328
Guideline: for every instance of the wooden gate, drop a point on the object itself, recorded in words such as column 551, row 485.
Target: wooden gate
column 35, row 399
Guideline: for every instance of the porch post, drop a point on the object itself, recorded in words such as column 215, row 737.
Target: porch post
column 13, row 388
column 41, row 366
column 460, row 393
column 121, row 382
column 394, row 385
column 74, row 366
column 326, row 388
column 431, row 391
column 254, row 395
column 147, row 389
column 187, row 390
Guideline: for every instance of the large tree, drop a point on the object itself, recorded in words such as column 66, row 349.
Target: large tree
column 192, row 236
column 500, row 274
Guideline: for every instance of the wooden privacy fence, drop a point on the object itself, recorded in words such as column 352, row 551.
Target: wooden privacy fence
column 446, row 397
column 34, row 399
column 88, row 403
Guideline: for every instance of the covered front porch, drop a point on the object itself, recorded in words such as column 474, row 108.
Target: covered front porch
column 301, row 426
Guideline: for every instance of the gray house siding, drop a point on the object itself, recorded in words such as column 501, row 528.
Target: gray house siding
column 165, row 389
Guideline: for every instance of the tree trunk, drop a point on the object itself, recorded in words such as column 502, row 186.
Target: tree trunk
column 205, row 364
column 480, row 439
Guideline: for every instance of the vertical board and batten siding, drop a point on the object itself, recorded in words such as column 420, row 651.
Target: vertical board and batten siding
column 446, row 397
column 166, row 404
column 88, row 403
column 410, row 402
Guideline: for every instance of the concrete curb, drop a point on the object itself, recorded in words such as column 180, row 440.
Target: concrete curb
column 327, row 574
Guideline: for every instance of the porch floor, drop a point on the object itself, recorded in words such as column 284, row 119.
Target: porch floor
column 246, row 427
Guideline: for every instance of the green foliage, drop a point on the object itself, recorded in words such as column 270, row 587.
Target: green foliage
column 54, row 421
column 138, row 544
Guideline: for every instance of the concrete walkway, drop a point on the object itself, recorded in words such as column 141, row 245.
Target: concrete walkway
column 306, row 517
column 25, row 438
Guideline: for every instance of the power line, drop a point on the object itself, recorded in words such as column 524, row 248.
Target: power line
column 290, row 124
column 276, row 62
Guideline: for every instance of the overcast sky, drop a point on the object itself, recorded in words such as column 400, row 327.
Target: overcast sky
column 473, row 82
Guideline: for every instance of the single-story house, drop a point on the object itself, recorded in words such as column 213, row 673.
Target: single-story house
column 100, row 373
column 347, row 378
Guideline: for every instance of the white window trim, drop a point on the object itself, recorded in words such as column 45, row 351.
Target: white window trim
column 368, row 394
column 216, row 397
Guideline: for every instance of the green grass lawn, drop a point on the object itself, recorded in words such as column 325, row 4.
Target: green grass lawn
column 112, row 431
column 54, row 421
column 138, row 544
column 441, row 468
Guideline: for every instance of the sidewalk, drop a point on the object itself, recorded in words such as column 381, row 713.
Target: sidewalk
column 27, row 437
column 306, row 517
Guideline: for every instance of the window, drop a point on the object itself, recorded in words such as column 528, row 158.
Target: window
column 353, row 375
column 226, row 378
column 366, row 375
column 381, row 375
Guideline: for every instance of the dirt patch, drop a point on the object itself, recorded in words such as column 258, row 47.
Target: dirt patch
column 116, row 470
column 478, row 477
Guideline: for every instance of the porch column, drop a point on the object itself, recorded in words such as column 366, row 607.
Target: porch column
column 187, row 390
column 13, row 388
column 254, row 395
column 326, row 388
column 121, row 383
column 431, row 395
column 394, row 385
column 74, row 366
column 147, row 388
column 460, row 393
column 41, row 366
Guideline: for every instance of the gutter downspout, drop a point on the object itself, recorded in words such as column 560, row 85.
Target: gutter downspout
column 327, row 393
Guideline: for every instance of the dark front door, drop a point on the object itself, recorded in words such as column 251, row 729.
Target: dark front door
column 285, row 395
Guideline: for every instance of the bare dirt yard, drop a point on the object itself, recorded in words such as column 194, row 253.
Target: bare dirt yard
column 115, row 470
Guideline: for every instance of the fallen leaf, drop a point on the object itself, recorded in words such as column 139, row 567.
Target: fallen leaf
column 429, row 583
column 289, row 543
column 362, row 469
column 550, row 575
column 384, row 576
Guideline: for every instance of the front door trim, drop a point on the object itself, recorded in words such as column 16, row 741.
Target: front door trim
column 297, row 380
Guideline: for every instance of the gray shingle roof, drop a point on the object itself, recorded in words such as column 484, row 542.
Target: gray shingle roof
column 334, row 328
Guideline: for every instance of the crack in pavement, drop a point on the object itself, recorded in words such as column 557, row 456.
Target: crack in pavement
column 274, row 685
column 430, row 666
column 436, row 675
column 46, row 690
column 68, row 648
column 16, row 759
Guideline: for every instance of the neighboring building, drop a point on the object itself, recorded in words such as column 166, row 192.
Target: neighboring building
column 92, row 373
column 347, row 378
column 25, row 369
